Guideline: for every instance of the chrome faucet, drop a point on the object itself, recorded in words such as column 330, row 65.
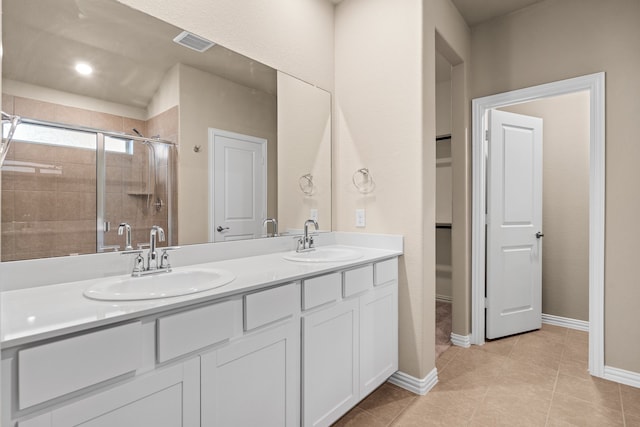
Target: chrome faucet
column 155, row 263
column 121, row 229
column 156, row 234
column 305, row 243
column 266, row 228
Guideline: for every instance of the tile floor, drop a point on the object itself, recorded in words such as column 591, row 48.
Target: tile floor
column 534, row 379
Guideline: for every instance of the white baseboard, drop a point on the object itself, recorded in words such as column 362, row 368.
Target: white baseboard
column 444, row 298
column 565, row 322
column 621, row 376
column 461, row 340
column 413, row 384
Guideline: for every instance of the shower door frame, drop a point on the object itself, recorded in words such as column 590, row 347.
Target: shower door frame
column 101, row 171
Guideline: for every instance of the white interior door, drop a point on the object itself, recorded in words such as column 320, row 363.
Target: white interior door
column 514, row 224
column 239, row 184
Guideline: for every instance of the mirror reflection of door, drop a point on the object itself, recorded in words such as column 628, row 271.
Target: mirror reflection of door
column 238, row 185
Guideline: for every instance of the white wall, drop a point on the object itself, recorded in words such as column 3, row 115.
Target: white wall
column 304, row 146
column 385, row 120
column 167, row 95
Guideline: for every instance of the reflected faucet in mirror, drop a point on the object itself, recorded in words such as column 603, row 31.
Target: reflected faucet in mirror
column 266, row 223
column 121, row 230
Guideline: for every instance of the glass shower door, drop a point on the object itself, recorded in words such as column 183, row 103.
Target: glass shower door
column 135, row 190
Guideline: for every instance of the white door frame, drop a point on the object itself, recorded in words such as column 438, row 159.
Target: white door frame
column 595, row 85
column 211, row 146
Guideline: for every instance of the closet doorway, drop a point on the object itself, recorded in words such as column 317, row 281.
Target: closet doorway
column 444, row 205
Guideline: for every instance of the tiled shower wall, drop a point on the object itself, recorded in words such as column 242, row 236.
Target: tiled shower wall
column 51, row 211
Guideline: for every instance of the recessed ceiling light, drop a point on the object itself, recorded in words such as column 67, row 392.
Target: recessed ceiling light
column 84, row 68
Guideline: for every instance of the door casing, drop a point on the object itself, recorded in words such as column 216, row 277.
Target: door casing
column 595, row 85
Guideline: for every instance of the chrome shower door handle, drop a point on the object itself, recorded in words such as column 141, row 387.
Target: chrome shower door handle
column 539, row 235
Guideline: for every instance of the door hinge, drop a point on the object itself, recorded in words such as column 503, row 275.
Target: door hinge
column 486, row 135
column 486, row 302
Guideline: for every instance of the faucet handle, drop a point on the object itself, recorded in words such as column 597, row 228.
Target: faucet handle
column 138, row 265
column 164, row 258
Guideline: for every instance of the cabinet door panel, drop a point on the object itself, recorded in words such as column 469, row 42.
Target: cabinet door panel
column 168, row 397
column 378, row 337
column 253, row 381
column 161, row 409
column 330, row 363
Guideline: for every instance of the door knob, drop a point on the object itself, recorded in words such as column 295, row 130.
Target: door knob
column 539, row 235
column 221, row 228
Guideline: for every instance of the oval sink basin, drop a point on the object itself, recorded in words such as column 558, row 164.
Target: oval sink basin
column 324, row 254
column 161, row 285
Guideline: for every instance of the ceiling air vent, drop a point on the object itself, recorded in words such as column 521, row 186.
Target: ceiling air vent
column 192, row 41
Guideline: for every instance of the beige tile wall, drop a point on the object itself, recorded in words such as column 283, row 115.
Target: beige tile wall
column 47, row 214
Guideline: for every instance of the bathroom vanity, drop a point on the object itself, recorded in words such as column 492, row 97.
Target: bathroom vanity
column 286, row 343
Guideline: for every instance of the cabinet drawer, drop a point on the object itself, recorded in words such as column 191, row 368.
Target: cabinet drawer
column 357, row 280
column 51, row 370
column 385, row 272
column 268, row 306
column 191, row 330
column 321, row 290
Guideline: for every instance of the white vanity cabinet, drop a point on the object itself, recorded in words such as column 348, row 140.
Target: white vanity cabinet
column 254, row 380
column 297, row 353
column 166, row 397
column 350, row 343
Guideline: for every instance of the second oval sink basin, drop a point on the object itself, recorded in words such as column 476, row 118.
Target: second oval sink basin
column 324, row 254
column 161, row 285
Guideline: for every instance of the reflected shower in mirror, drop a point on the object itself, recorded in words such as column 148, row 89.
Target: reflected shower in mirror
column 226, row 120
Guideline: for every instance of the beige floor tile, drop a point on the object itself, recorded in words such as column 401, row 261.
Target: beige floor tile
column 359, row 418
column 573, row 334
column 509, row 409
column 423, row 414
column 630, row 400
column 460, row 401
column 571, row 411
column 594, row 390
column 631, row 421
column 387, row 402
column 522, row 373
column 451, row 353
column 441, row 363
column 552, row 343
column 502, row 346
column 575, row 368
column 558, row 332
column 576, row 349
column 476, row 361
column 536, row 356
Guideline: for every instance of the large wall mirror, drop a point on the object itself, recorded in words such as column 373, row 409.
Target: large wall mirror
column 166, row 129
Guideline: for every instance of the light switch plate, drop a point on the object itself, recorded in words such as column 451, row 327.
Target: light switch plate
column 313, row 214
column 360, row 218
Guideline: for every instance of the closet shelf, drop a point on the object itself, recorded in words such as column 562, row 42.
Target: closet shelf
column 443, row 225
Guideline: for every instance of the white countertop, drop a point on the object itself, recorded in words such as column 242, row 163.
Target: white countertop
column 44, row 312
